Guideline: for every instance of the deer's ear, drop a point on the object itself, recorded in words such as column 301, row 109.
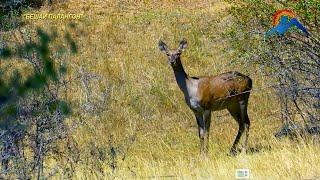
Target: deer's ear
column 183, row 45
column 163, row 47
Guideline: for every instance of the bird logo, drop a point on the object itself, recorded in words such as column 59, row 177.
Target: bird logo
column 283, row 20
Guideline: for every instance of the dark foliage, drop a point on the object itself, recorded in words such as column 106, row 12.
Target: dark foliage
column 11, row 10
column 32, row 112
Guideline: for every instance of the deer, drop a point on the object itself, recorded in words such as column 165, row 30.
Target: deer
column 204, row 94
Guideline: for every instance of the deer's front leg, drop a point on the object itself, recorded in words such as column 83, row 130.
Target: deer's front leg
column 207, row 121
column 203, row 121
column 201, row 130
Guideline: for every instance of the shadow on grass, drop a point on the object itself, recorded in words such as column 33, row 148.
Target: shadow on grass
column 258, row 149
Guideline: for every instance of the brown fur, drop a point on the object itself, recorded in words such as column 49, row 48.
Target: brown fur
column 217, row 92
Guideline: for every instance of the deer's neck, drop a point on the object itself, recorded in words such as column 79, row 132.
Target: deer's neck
column 181, row 77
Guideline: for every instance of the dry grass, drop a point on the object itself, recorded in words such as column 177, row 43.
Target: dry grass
column 118, row 40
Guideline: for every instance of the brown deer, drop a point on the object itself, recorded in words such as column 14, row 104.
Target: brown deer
column 204, row 94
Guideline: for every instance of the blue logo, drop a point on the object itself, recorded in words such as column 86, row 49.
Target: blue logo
column 283, row 20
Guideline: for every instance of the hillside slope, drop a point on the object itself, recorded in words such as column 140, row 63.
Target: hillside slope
column 146, row 130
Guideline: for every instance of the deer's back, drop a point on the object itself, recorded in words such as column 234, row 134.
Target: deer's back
column 213, row 91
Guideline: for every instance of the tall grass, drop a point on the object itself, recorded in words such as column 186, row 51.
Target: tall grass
column 146, row 130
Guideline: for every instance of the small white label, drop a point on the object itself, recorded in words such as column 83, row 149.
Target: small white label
column 242, row 173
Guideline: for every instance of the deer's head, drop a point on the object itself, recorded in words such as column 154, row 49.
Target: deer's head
column 173, row 56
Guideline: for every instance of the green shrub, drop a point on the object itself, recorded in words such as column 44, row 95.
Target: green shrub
column 291, row 62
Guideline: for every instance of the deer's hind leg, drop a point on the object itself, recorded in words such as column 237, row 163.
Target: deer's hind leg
column 235, row 112
column 245, row 119
column 240, row 114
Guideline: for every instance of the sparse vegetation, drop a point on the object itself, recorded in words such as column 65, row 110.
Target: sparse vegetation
column 129, row 119
column 31, row 108
column 292, row 61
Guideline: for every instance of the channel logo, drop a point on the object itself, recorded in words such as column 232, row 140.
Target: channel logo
column 283, row 20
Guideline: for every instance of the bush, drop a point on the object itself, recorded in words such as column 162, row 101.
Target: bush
column 32, row 112
column 291, row 62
